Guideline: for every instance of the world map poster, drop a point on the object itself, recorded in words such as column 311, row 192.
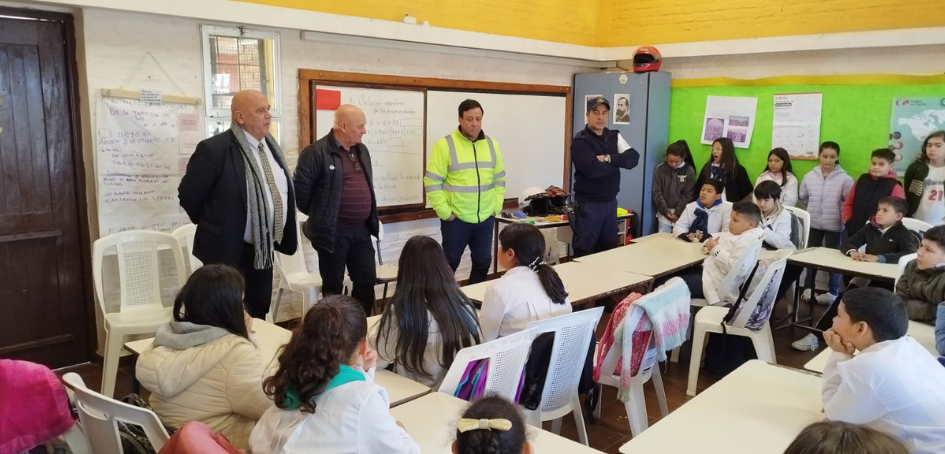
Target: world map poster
column 913, row 119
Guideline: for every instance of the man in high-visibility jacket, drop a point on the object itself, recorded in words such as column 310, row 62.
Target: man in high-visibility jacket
column 465, row 184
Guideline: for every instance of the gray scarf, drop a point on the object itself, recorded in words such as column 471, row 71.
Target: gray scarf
column 261, row 225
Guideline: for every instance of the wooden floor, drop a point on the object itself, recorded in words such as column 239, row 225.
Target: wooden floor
column 612, row 430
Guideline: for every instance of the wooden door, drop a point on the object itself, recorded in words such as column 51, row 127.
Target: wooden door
column 44, row 300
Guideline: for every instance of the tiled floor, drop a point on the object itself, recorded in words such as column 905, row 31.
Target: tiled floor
column 611, row 431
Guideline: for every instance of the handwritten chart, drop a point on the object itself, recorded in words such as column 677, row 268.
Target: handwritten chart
column 140, row 156
column 796, row 124
column 394, row 137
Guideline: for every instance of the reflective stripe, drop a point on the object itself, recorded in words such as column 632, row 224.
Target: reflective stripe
column 465, row 189
column 463, row 166
column 499, row 184
column 499, row 175
column 434, row 187
column 491, row 149
column 454, row 160
column 434, row 176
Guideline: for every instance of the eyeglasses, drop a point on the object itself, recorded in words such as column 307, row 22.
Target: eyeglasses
column 354, row 159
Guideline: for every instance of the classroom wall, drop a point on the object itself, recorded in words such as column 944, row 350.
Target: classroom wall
column 565, row 21
column 641, row 22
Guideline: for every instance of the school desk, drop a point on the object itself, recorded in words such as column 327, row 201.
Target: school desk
column 658, row 256
column 585, row 283
column 431, row 422
column 757, row 409
column 270, row 337
column 923, row 334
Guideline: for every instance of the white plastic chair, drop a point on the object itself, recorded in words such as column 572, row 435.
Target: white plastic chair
column 141, row 310
column 185, row 234
column 295, row 277
column 741, row 269
column 709, row 320
column 99, row 416
column 916, row 225
column 903, row 261
column 507, row 357
column 648, row 370
column 385, row 273
column 573, row 334
column 804, row 217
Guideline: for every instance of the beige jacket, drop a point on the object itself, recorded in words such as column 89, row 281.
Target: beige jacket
column 216, row 378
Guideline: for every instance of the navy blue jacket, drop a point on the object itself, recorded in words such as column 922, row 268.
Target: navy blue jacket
column 597, row 181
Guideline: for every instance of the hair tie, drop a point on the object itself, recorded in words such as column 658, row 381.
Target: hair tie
column 467, row 424
column 536, row 264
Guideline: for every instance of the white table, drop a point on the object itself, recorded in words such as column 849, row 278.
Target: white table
column 431, row 422
column 923, row 334
column 584, row 282
column 757, row 409
column 270, row 338
column 659, row 256
column 834, row 261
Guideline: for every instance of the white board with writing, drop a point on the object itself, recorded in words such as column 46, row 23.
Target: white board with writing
column 141, row 153
column 395, row 138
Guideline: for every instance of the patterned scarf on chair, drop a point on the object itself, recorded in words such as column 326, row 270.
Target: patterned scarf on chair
column 261, row 224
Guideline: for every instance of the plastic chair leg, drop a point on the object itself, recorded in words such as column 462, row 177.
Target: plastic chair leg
column 110, row 363
column 579, row 420
column 271, row 316
column 533, row 417
column 599, row 405
column 657, row 380
column 695, row 359
column 675, row 356
column 764, row 344
column 636, row 409
column 556, row 426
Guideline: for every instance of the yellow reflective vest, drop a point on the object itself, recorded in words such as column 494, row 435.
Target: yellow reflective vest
column 465, row 178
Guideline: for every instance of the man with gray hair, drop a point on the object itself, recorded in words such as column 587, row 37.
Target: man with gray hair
column 335, row 189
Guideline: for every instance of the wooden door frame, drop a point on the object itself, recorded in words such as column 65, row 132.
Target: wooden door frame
column 78, row 159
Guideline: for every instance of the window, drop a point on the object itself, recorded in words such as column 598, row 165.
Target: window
column 237, row 59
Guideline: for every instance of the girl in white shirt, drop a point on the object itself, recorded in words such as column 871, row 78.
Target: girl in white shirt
column 530, row 290
column 779, row 171
column 324, row 392
column 429, row 318
column 925, row 181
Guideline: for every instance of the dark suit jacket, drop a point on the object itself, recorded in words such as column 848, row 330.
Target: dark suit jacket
column 213, row 193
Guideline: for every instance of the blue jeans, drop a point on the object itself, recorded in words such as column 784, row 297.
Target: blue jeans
column 824, row 238
column 594, row 225
column 458, row 234
column 940, row 329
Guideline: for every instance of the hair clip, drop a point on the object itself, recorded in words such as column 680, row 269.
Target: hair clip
column 536, row 264
column 467, row 424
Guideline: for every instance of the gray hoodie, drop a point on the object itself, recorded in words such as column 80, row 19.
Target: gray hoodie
column 673, row 188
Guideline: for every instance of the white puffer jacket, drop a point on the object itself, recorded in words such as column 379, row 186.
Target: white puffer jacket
column 203, row 373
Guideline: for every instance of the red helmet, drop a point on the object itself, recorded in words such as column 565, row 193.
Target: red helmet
column 646, row 59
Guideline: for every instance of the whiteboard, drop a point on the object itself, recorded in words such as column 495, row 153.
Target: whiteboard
column 528, row 128
column 142, row 150
column 394, row 139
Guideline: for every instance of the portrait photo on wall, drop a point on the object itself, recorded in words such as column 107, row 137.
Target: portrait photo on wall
column 621, row 109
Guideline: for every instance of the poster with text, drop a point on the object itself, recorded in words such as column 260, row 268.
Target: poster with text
column 913, row 119
column 731, row 117
column 796, row 124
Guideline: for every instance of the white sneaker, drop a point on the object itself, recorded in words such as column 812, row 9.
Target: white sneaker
column 806, row 296
column 826, row 299
column 808, row 344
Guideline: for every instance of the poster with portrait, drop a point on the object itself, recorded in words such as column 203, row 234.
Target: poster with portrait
column 621, row 109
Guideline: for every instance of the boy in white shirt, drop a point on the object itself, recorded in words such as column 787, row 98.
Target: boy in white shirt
column 705, row 217
column 894, row 384
column 775, row 219
column 725, row 250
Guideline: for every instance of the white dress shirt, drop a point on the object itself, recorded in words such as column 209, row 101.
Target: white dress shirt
column 282, row 182
column 515, row 300
column 353, row 418
column 894, row 386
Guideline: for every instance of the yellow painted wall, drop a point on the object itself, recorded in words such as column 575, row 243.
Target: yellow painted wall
column 564, row 21
column 639, row 22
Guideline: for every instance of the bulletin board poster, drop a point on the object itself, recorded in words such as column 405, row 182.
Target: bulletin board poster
column 731, row 117
column 913, row 119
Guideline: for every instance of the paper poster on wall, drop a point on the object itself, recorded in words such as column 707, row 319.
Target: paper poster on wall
column 729, row 116
column 796, row 124
column 139, row 163
column 913, row 119
column 621, row 109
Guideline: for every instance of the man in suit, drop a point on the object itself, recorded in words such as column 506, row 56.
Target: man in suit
column 238, row 192
column 335, row 185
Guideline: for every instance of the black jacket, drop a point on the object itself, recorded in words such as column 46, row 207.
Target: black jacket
column 737, row 188
column 890, row 246
column 213, row 193
column 318, row 182
column 597, row 181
